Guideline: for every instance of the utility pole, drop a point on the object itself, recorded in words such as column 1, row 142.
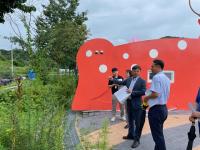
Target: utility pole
column 12, row 69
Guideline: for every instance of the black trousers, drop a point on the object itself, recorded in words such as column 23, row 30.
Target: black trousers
column 142, row 122
column 157, row 116
column 134, row 119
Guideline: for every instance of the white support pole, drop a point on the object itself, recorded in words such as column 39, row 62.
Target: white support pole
column 12, row 69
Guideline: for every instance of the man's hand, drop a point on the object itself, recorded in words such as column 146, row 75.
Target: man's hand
column 145, row 99
column 192, row 119
column 129, row 91
column 112, row 85
column 110, row 78
column 153, row 95
column 195, row 114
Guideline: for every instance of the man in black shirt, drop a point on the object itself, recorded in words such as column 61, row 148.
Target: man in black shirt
column 115, row 88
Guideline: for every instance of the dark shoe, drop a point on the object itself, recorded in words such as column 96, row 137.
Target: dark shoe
column 126, row 126
column 127, row 138
column 135, row 144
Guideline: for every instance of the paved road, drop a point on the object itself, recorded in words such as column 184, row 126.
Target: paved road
column 176, row 137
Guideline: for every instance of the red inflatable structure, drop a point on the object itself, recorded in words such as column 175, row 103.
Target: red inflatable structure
column 97, row 57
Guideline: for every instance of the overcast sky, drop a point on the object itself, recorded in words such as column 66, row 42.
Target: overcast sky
column 122, row 21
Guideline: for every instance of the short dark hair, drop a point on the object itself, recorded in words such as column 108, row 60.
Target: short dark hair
column 159, row 62
column 114, row 69
column 136, row 67
column 128, row 71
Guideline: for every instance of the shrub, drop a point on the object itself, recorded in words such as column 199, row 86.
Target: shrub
column 35, row 120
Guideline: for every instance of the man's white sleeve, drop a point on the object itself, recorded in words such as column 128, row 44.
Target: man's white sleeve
column 155, row 86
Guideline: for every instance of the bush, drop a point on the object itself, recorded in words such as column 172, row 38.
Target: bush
column 5, row 71
column 3, row 59
column 35, row 119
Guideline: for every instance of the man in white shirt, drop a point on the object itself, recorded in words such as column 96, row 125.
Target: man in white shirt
column 157, row 100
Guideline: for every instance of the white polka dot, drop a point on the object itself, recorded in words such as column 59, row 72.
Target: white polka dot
column 153, row 53
column 182, row 44
column 133, row 66
column 125, row 55
column 88, row 53
column 103, row 68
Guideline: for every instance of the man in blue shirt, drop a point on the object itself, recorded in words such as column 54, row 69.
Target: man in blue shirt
column 157, row 100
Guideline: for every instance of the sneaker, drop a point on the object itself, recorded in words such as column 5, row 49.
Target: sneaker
column 113, row 119
column 123, row 118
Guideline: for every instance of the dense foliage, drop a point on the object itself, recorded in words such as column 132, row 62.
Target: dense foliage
column 61, row 31
column 34, row 118
column 8, row 6
column 20, row 63
column 20, row 58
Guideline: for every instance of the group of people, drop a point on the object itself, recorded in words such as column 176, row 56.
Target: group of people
column 156, row 97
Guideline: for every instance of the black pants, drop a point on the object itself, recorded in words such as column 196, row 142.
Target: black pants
column 157, row 116
column 134, row 117
column 142, row 122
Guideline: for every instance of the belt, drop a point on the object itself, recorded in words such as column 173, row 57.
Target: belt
column 158, row 105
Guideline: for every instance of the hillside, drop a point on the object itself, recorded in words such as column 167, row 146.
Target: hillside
column 20, row 57
column 20, row 61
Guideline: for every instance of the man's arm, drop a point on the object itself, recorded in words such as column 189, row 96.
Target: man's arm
column 115, row 81
column 153, row 95
column 155, row 89
column 194, row 116
column 111, row 84
column 140, row 92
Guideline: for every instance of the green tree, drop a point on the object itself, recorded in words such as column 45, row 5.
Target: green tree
column 61, row 31
column 8, row 6
column 26, row 43
column 66, row 38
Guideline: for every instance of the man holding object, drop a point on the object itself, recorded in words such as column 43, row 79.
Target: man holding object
column 137, row 87
column 157, row 100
